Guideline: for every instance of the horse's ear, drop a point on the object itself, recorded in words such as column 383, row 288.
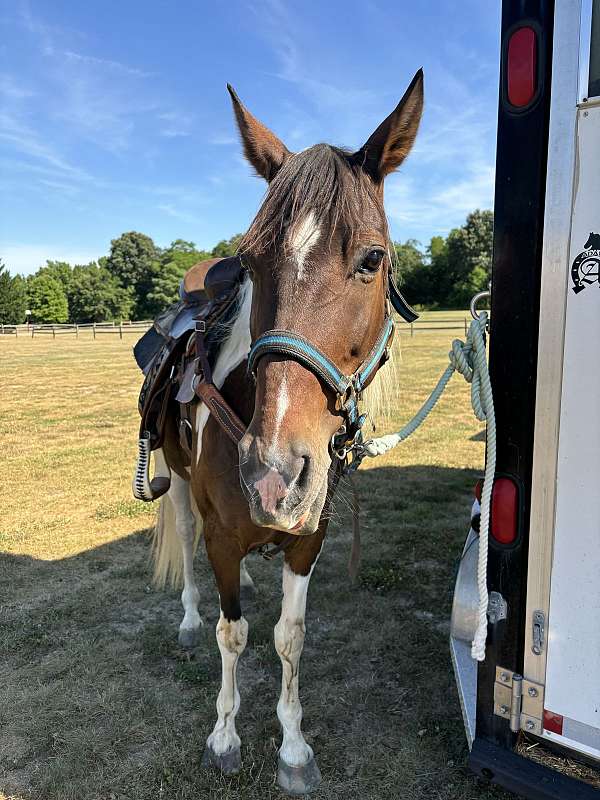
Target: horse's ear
column 262, row 148
column 389, row 145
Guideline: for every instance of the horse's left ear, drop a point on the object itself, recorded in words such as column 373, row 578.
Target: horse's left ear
column 389, row 145
column 262, row 148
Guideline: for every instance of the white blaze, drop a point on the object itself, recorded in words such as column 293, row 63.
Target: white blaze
column 283, row 401
column 304, row 237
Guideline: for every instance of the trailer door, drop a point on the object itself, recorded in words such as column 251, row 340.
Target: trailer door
column 563, row 618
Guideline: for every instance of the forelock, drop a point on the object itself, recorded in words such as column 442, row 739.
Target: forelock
column 322, row 181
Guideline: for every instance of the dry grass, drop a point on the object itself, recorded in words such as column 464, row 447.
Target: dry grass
column 96, row 700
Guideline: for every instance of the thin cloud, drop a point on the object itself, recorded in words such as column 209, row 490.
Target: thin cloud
column 113, row 66
column 11, row 89
column 27, row 142
column 172, row 211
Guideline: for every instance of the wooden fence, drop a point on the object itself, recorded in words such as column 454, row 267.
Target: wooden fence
column 95, row 328
column 432, row 324
column 429, row 325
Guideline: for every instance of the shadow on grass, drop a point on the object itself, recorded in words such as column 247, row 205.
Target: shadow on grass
column 99, row 702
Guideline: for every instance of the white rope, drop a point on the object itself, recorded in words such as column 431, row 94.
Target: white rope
column 469, row 359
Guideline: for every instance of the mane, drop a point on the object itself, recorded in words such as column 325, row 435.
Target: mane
column 322, row 179
column 326, row 180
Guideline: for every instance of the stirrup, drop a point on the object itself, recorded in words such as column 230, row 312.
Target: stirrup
column 142, row 487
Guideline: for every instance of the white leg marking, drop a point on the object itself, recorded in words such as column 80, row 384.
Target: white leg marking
column 245, row 577
column 289, row 640
column 303, row 238
column 233, row 351
column 231, row 638
column 185, row 525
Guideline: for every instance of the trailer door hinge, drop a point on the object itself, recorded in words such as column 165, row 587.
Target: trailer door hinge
column 519, row 700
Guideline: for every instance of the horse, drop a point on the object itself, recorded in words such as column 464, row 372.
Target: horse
column 313, row 309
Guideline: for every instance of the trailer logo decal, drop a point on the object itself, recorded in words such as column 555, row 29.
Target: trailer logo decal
column 586, row 267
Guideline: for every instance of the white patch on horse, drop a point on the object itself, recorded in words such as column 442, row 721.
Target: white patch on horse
column 303, row 238
column 185, row 524
column 233, row 351
column 289, row 641
column 231, row 638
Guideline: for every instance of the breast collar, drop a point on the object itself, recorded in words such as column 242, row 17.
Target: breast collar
column 347, row 389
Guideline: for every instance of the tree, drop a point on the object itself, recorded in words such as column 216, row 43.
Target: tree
column 410, row 270
column 183, row 255
column 227, row 247
column 133, row 261
column 95, row 295
column 59, row 270
column 46, row 298
column 469, row 258
column 165, row 287
column 13, row 298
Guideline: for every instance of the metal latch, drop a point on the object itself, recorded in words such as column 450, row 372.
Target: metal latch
column 497, row 607
column 539, row 622
column 519, row 700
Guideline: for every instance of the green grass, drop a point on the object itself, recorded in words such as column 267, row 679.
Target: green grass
column 97, row 701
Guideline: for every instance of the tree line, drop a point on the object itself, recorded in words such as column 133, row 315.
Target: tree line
column 137, row 279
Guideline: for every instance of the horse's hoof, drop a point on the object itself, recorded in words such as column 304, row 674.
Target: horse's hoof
column 229, row 763
column 248, row 593
column 189, row 637
column 298, row 780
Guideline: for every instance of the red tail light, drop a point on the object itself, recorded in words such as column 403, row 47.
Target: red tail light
column 553, row 722
column 522, row 67
column 504, row 516
column 505, row 506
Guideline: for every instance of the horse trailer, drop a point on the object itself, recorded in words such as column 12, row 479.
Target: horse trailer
column 538, row 689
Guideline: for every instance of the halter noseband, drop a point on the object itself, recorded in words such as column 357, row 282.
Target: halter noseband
column 346, row 388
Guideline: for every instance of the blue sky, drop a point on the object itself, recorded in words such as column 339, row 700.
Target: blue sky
column 114, row 114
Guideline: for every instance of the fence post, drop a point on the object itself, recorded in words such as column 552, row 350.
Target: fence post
column 53, row 332
column 465, row 326
column 76, row 331
column 94, row 329
column 16, row 331
column 411, row 330
column 121, row 329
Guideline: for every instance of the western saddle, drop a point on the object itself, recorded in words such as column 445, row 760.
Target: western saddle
column 183, row 342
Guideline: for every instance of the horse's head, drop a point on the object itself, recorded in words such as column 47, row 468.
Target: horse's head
column 593, row 242
column 317, row 253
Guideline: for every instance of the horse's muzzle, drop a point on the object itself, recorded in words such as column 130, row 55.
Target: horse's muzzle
column 276, row 487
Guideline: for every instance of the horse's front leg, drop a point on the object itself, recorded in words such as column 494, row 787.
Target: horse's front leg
column 223, row 744
column 297, row 772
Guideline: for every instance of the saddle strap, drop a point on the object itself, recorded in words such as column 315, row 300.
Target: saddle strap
column 221, row 410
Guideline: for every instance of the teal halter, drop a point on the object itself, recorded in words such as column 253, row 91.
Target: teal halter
column 346, row 388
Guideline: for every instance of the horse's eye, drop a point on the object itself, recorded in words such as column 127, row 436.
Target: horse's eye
column 372, row 261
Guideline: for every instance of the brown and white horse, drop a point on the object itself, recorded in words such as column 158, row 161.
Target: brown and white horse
column 317, row 262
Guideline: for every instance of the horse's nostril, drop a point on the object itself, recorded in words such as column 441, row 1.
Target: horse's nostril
column 304, row 472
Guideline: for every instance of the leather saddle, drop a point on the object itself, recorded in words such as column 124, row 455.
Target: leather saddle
column 208, row 289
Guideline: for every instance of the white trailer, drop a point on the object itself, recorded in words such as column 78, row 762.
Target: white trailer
column 541, row 676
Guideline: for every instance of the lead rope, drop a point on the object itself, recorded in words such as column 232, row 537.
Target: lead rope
column 469, row 359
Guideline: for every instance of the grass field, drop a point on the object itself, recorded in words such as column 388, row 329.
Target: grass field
column 96, row 700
